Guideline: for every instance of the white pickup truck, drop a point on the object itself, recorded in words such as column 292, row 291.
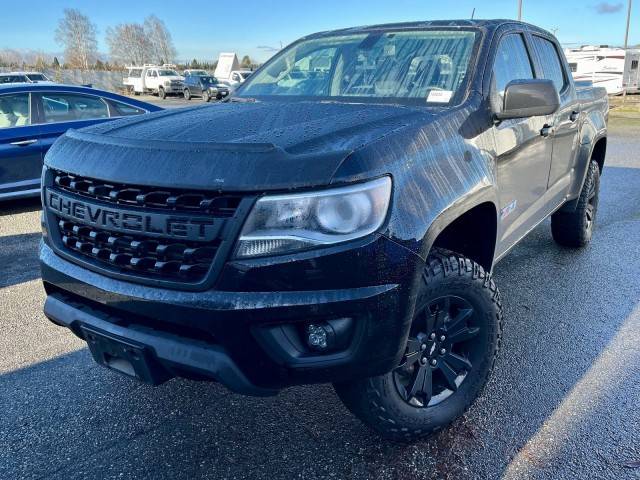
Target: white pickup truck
column 159, row 80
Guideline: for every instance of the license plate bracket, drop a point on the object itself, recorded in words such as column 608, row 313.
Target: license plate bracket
column 124, row 356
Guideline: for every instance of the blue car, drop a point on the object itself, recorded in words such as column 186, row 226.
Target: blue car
column 33, row 116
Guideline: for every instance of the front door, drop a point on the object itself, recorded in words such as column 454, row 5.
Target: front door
column 20, row 146
column 523, row 148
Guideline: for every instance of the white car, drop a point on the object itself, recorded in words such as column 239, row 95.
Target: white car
column 23, row 77
column 238, row 76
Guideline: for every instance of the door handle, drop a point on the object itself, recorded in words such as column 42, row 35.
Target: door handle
column 24, row 143
column 546, row 130
column 574, row 116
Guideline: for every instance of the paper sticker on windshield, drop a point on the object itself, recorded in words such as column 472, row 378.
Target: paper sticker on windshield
column 439, row 96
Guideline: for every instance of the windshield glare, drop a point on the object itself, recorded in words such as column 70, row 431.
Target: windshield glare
column 426, row 66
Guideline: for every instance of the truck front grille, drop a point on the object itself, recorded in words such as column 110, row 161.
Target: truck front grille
column 146, row 253
column 214, row 204
column 182, row 261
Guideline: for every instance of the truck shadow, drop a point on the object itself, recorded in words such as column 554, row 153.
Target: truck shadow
column 66, row 417
column 19, row 258
column 13, row 207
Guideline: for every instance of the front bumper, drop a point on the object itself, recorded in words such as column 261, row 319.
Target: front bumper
column 234, row 334
column 173, row 89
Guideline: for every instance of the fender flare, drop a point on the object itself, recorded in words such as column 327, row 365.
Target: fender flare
column 582, row 167
column 486, row 195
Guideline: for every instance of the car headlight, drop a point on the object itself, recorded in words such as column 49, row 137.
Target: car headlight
column 287, row 223
column 167, row 82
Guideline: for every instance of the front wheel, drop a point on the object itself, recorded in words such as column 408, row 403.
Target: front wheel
column 450, row 352
column 205, row 96
column 187, row 94
column 161, row 93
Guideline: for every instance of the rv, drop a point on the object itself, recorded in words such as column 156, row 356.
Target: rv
column 612, row 68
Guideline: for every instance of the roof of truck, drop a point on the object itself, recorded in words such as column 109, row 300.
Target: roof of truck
column 491, row 24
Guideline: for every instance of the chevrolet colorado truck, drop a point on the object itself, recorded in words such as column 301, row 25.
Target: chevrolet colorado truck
column 339, row 224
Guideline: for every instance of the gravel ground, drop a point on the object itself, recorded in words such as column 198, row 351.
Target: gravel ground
column 563, row 401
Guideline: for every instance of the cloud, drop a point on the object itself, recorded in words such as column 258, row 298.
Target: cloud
column 604, row 8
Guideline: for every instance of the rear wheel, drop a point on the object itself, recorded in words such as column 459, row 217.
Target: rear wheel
column 449, row 354
column 575, row 229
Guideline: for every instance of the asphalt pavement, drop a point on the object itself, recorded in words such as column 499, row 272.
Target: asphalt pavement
column 563, row 401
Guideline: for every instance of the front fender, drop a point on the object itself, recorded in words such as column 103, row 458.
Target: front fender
column 441, row 168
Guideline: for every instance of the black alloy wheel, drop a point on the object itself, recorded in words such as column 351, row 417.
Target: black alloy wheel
column 439, row 352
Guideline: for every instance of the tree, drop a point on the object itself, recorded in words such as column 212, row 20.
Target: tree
column 161, row 43
column 56, row 63
column 194, row 64
column 129, row 44
column 77, row 34
column 246, row 61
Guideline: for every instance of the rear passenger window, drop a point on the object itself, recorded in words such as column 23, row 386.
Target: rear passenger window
column 66, row 107
column 512, row 63
column 549, row 61
column 125, row 110
column 14, row 110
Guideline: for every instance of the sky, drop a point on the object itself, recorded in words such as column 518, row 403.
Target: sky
column 203, row 28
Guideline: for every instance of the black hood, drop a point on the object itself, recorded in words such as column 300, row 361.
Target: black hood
column 229, row 146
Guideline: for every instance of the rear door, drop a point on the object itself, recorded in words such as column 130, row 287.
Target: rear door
column 61, row 111
column 549, row 65
column 20, row 145
column 523, row 152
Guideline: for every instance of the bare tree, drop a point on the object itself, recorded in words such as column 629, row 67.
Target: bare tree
column 162, row 49
column 129, row 44
column 77, row 34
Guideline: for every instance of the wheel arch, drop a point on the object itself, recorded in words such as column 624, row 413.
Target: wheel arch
column 471, row 232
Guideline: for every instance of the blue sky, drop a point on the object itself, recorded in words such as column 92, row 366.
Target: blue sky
column 199, row 31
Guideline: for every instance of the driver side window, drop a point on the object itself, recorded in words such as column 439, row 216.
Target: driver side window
column 512, row 63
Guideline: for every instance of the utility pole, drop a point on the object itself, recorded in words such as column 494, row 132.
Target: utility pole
column 626, row 44
column 519, row 10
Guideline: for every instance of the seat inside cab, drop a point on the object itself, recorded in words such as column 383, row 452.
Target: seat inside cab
column 14, row 111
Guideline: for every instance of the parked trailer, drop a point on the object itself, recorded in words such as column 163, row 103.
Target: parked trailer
column 612, row 68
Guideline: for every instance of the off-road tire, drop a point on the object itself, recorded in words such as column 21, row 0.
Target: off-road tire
column 377, row 402
column 575, row 229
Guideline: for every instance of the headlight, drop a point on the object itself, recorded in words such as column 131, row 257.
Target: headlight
column 167, row 82
column 288, row 223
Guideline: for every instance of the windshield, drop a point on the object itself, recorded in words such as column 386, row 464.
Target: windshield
column 198, row 73
column 421, row 66
column 168, row 73
column 209, row 79
column 245, row 75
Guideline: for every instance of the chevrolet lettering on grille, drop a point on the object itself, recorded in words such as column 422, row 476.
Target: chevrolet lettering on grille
column 201, row 229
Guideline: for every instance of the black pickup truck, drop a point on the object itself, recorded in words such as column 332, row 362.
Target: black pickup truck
column 338, row 225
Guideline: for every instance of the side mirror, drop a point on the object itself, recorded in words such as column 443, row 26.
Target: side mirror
column 529, row 98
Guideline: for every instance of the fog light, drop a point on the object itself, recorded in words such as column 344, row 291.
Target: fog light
column 317, row 336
